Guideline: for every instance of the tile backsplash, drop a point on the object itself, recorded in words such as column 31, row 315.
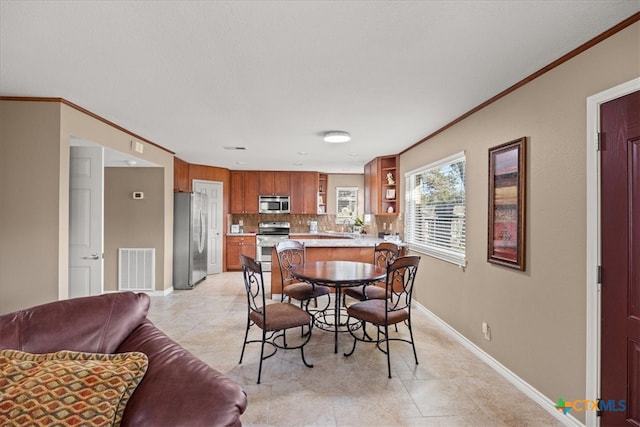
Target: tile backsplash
column 326, row 222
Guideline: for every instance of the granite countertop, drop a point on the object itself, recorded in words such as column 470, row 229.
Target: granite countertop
column 341, row 240
column 336, row 234
column 345, row 243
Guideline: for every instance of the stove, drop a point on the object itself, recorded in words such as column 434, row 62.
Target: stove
column 269, row 234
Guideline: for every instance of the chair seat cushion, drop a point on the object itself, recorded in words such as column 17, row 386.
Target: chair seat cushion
column 280, row 316
column 363, row 293
column 303, row 291
column 373, row 311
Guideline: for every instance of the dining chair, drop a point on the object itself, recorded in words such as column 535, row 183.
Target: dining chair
column 384, row 253
column 381, row 313
column 290, row 254
column 273, row 319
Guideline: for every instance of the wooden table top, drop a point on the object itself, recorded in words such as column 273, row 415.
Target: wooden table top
column 339, row 273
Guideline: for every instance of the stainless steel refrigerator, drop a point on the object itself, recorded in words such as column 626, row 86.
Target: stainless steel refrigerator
column 189, row 239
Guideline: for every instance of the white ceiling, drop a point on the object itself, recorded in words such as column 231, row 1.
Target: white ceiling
column 272, row 76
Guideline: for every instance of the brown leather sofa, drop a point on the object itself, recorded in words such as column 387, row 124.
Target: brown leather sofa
column 178, row 389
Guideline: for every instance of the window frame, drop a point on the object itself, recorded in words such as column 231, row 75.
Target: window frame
column 437, row 251
column 354, row 214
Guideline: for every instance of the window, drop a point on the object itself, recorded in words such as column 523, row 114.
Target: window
column 346, row 205
column 435, row 209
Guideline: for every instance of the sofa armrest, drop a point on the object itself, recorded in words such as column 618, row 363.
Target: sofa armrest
column 178, row 388
column 96, row 324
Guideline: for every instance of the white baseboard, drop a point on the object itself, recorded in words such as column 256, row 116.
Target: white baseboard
column 520, row 384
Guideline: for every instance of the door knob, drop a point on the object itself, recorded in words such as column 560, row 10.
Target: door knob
column 92, row 257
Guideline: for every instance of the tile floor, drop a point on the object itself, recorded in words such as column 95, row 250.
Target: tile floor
column 450, row 386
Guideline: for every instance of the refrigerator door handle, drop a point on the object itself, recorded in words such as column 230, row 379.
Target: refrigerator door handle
column 203, row 232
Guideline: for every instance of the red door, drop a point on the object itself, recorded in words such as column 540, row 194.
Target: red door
column 620, row 215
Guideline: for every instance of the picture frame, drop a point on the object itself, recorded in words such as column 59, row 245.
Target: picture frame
column 507, row 197
column 391, row 194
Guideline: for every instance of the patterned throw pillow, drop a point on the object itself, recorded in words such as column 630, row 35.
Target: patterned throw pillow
column 66, row 387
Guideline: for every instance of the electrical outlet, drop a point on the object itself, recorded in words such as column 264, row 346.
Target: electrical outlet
column 486, row 330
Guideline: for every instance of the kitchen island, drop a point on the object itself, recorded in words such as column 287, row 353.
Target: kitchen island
column 325, row 247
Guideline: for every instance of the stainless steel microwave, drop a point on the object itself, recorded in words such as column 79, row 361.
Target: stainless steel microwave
column 274, row 204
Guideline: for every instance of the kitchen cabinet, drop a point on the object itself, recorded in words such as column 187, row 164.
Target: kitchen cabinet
column 304, row 190
column 381, row 186
column 237, row 245
column 181, row 181
column 274, row 183
column 244, row 192
column 323, row 181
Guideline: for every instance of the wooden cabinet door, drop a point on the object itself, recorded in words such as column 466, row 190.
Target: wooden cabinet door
column 304, row 192
column 281, row 184
column 310, row 192
column 266, row 185
column 233, row 255
column 274, row 183
column 297, row 193
column 237, row 245
column 236, row 202
column 369, row 188
column 181, row 180
column 244, row 192
column 251, row 192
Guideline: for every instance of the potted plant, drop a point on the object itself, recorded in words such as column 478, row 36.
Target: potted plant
column 357, row 225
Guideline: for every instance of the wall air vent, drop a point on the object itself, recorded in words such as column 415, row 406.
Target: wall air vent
column 136, row 269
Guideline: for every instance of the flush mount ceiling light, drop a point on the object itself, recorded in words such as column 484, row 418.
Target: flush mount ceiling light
column 337, row 137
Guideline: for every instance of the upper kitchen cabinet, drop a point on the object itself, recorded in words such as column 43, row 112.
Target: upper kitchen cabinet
column 181, row 181
column 275, row 183
column 321, row 200
column 244, row 192
column 381, row 186
column 304, row 190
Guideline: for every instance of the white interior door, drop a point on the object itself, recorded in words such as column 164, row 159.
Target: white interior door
column 214, row 233
column 86, row 185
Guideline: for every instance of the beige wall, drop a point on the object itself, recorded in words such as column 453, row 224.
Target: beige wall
column 30, row 218
column 80, row 125
column 537, row 317
column 344, row 180
column 34, row 175
column 131, row 223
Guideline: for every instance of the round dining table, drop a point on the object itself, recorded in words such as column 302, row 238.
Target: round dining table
column 338, row 275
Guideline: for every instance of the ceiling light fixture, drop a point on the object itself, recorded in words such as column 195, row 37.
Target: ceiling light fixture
column 337, row 137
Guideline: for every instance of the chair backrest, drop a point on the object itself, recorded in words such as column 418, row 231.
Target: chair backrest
column 385, row 253
column 401, row 275
column 290, row 253
column 253, row 283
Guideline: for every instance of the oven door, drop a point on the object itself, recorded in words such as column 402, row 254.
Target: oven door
column 263, row 252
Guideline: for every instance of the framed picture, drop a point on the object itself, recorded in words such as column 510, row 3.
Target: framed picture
column 507, row 186
column 391, row 193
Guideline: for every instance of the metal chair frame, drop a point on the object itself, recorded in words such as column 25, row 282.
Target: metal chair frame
column 399, row 284
column 258, row 312
column 384, row 253
column 291, row 253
